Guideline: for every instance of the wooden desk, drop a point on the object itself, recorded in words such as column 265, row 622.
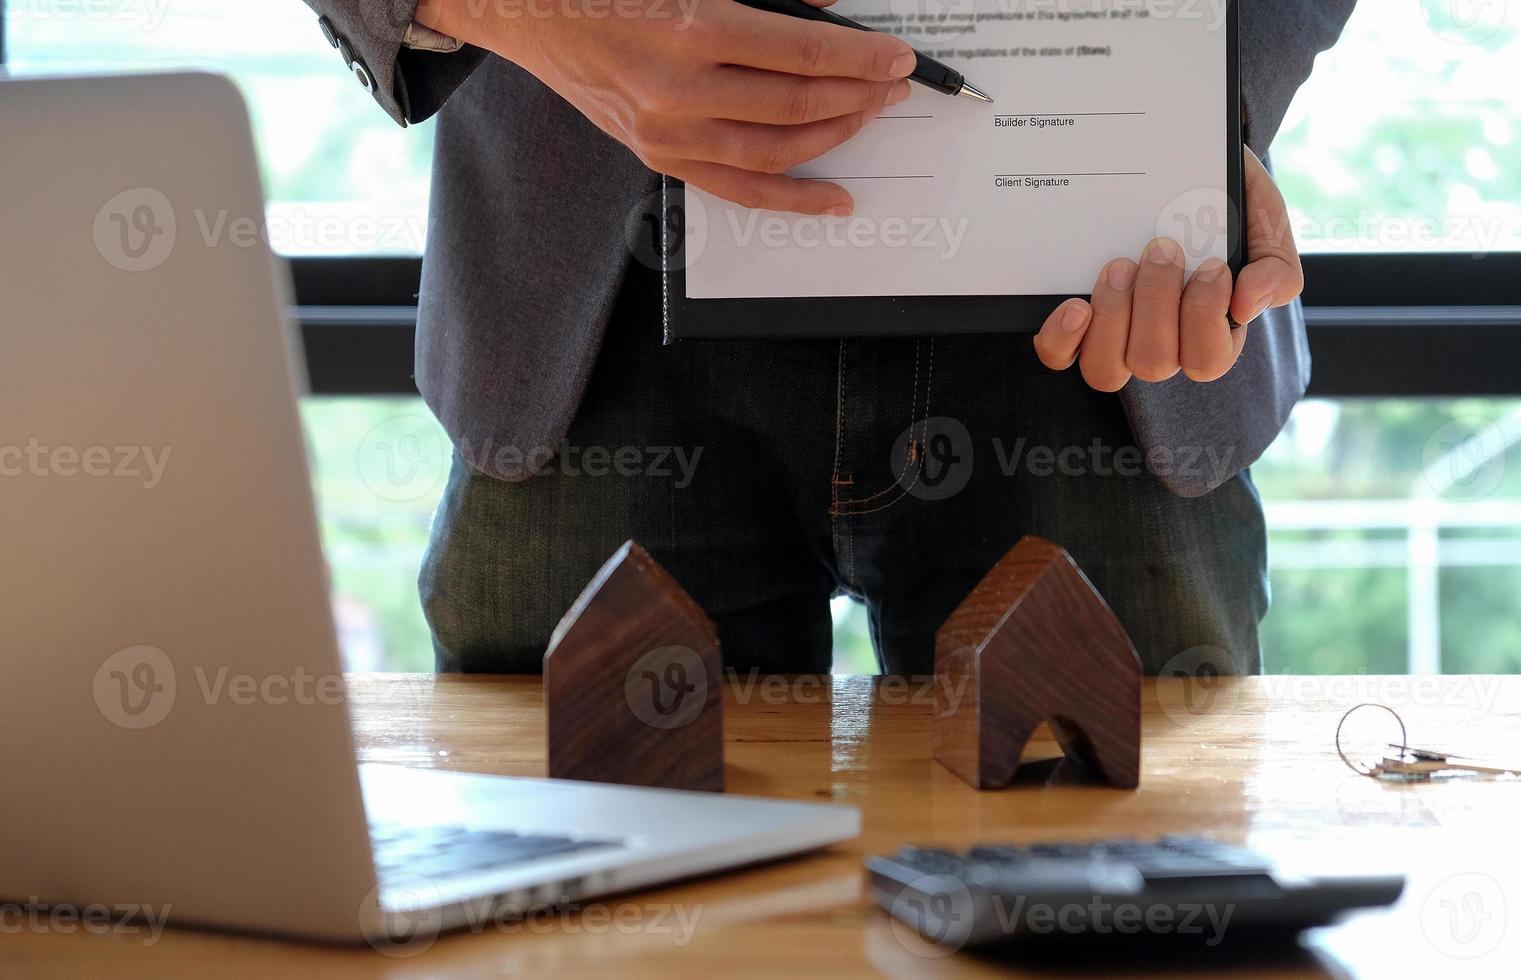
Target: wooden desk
column 1246, row 760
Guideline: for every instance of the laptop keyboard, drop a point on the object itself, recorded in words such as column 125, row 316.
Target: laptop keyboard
column 449, row 850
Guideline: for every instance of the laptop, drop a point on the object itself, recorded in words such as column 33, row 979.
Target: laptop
column 175, row 735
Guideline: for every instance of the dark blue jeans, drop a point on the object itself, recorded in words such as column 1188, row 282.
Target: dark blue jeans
column 769, row 476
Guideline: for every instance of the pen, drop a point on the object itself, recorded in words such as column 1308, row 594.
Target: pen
column 928, row 71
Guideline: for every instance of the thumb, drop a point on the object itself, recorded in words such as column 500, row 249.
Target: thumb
column 1274, row 276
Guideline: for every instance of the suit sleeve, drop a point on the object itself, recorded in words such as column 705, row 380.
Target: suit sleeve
column 1279, row 42
column 367, row 37
column 1233, row 420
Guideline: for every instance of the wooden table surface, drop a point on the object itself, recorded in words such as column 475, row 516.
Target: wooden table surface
column 1246, row 760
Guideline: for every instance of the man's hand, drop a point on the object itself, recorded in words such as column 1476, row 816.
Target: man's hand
column 723, row 96
column 1143, row 321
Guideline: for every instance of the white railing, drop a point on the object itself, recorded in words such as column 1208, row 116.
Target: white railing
column 1435, row 503
column 1419, row 549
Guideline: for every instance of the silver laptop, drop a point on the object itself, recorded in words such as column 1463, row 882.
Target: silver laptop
column 173, row 737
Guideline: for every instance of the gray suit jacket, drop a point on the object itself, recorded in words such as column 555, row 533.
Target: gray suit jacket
column 526, row 246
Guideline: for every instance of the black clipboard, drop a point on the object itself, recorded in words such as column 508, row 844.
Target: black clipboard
column 861, row 316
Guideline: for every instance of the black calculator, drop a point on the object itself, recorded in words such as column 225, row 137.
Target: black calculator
column 1179, row 889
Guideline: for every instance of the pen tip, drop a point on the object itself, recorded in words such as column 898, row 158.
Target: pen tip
column 972, row 92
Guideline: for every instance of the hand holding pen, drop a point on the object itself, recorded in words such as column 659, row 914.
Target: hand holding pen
column 927, row 71
column 723, row 96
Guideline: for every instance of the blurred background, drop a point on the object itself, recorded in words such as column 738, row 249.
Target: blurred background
column 1395, row 521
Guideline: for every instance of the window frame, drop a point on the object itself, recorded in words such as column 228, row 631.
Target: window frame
column 1370, row 318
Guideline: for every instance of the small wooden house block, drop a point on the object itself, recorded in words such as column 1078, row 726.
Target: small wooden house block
column 633, row 682
column 1035, row 642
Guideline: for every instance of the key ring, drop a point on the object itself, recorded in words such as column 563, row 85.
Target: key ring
column 1404, row 738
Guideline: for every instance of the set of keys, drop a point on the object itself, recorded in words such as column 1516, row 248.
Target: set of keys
column 1404, row 762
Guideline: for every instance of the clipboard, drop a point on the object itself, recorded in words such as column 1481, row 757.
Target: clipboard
column 861, row 316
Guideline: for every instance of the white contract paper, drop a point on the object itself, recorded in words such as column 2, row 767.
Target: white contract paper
column 1109, row 127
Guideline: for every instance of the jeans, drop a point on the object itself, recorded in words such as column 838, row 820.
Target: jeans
column 769, row 476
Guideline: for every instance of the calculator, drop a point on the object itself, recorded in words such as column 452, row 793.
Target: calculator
column 1179, row 889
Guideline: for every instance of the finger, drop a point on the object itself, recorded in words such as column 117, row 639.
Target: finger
column 1058, row 340
column 747, row 95
column 1152, row 350
column 760, row 39
column 1102, row 360
column 769, row 192
column 1274, row 276
column 765, row 148
column 1206, row 349
column 1263, row 285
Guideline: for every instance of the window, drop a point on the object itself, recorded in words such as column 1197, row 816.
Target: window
column 379, row 465
column 341, row 177
column 1395, row 537
column 1396, row 522
column 1395, row 515
column 1407, row 138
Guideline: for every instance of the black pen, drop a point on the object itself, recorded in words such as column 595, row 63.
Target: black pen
column 928, row 71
